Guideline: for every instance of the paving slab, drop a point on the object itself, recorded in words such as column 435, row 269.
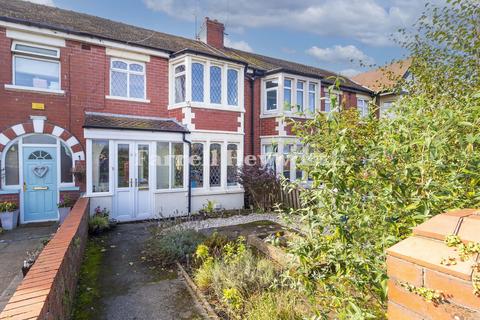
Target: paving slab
column 14, row 247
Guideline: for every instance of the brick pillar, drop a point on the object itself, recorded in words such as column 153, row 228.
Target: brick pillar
column 419, row 261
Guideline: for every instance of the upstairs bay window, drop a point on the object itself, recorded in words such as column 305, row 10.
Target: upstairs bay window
column 300, row 95
column 271, row 90
column 197, row 82
column 127, row 79
column 312, row 97
column 36, row 66
column 180, row 83
column 287, row 94
column 215, row 84
column 204, row 83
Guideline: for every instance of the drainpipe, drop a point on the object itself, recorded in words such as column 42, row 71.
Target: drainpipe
column 252, row 113
column 189, row 173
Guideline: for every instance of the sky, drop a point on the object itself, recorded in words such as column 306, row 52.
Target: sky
column 345, row 36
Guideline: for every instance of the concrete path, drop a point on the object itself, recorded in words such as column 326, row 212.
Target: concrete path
column 131, row 289
column 14, row 246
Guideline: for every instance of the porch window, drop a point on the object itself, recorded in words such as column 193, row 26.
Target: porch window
column 11, row 166
column 270, row 155
column 312, row 97
column 177, row 165
column 196, row 178
column 197, row 82
column 66, row 164
column 300, row 93
column 180, row 83
column 100, row 166
column 123, row 165
column 232, row 164
column 287, row 153
column 215, row 165
column 271, row 88
column 163, row 165
column 215, row 84
column 127, row 79
column 232, row 87
column 36, row 66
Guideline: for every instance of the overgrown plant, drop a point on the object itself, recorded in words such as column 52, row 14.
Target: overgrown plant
column 261, row 185
column 373, row 180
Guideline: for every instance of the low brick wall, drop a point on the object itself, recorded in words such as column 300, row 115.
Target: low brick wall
column 419, row 261
column 48, row 289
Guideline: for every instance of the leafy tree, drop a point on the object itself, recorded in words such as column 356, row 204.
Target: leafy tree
column 374, row 180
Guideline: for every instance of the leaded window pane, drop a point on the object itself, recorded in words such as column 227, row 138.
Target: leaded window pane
column 163, row 160
column 66, row 164
column 180, row 69
column 11, row 166
column 137, row 86
column 232, row 87
column 232, row 167
column 196, row 178
column 177, row 165
column 215, row 84
column 119, row 65
column 197, row 82
column 136, row 67
column 180, row 88
column 119, row 84
column 215, row 165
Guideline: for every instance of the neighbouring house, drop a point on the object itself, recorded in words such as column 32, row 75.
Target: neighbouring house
column 112, row 111
column 384, row 81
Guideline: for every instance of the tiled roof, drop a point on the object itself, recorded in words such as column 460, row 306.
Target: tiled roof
column 77, row 23
column 122, row 122
column 384, row 78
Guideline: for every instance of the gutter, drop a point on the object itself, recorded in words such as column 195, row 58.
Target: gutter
column 189, row 172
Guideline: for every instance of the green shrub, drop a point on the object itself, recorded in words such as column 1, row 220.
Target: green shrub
column 173, row 246
column 203, row 275
column 8, row 206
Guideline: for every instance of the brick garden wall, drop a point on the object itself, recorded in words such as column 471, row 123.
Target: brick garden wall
column 49, row 287
column 417, row 261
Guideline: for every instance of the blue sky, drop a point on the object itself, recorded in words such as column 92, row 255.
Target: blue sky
column 323, row 33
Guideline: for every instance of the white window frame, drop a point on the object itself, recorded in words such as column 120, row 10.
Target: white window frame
column 223, row 85
column 38, row 57
column 175, row 75
column 363, row 106
column 328, row 100
column 237, row 164
column 128, row 72
column 188, row 60
column 315, row 99
column 170, row 166
column 265, row 91
column 297, row 91
column 291, row 93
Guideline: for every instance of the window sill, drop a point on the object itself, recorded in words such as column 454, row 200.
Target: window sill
column 127, row 99
column 200, row 105
column 216, row 191
column 9, row 191
column 179, row 190
column 31, row 89
column 99, row 194
column 69, row 188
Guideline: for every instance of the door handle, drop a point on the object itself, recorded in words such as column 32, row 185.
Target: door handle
column 136, row 182
column 131, row 182
column 24, row 186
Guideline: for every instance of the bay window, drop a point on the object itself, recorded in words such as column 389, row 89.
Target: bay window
column 127, row 79
column 180, row 83
column 100, row 166
column 215, row 165
column 287, row 153
column 196, row 178
column 232, row 87
column 312, row 97
column 287, row 94
column 177, row 165
column 232, row 164
column 197, row 81
column 362, row 107
column 36, row 66
column 300, row 93
column 270, row 156
column 215, row 84
column 271, row 88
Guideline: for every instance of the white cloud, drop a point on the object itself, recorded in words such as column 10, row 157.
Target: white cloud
column 240, row 45
column 368, row 21
column 349, row 72
column 45, row 2
column 340, row 54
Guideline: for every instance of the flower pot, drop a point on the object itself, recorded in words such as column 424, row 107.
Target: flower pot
column 63, row 213
column 9, row 219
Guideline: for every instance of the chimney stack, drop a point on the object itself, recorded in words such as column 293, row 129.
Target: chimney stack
column 212, row 33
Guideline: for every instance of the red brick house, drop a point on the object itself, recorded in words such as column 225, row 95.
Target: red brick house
column 125, row 107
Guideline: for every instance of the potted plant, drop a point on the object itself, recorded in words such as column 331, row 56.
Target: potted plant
column 64, row 207
column 9, row 215
column 79, row 170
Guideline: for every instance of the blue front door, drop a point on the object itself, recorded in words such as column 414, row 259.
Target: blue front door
column 40, row 184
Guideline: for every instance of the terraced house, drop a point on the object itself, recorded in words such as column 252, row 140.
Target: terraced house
column 96, row 107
